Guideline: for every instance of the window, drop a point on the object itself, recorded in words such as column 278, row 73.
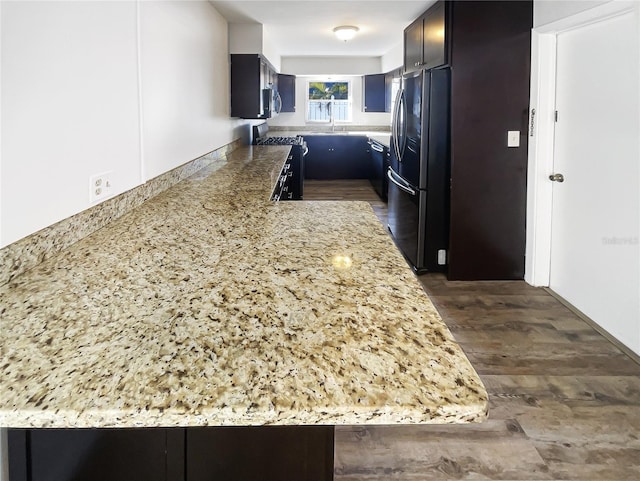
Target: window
column 329, row 101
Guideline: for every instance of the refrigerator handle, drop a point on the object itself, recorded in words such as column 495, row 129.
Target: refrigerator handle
column 406, row 189
column 394, row 126
column 403, row 103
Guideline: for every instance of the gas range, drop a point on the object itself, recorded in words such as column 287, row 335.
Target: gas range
column 260, row 137
column 291, row 181
column 275, row 140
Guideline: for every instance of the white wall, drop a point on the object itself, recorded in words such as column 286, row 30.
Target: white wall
column 547, row 11
column 245, row 38
column 331, row 65
column 393, row 59
column 71, row 105
column 298, row 118
column 185, row 83
column 269, row 50
column 253, row 38
column 69, row 108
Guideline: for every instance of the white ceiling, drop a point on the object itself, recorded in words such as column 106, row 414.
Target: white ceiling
column 304, row 27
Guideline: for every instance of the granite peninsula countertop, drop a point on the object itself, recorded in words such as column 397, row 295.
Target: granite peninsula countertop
column 211, row 305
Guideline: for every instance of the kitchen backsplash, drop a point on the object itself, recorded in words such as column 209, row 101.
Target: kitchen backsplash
column 26, row 253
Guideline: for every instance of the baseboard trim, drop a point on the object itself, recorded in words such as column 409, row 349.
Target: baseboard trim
column 626, row 350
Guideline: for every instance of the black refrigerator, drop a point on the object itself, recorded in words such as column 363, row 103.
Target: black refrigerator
column 419, row 174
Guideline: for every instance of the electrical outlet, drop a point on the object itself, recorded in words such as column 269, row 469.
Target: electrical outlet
column 100, row 187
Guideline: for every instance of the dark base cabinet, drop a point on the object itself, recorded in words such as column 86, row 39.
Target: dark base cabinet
column 337, row 156
column 274, row 453
column 152, row 454
column 379, row 166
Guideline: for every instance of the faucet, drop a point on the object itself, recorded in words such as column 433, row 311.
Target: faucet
column 332, row 117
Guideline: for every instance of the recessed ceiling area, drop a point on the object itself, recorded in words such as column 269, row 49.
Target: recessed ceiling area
column 305, row 27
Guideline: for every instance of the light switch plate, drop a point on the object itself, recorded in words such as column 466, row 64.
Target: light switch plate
column 513, row 138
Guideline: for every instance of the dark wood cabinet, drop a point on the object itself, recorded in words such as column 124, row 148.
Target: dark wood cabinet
column 337, row 157
column 434, row 36
column 490, row 70
column 426, row 39
column 413, row 46
column 374, row 93
column 150, row 454
column 287, row 91
column 274, row 453
column 379, row 92
column 251, row 76
column 379, row 158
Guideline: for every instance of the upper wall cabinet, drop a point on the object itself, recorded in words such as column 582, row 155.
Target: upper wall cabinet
column 253, row 82
column 287, row 91
column 425, row 40
column 380, row 89
column 413, row 48
column 374, row 93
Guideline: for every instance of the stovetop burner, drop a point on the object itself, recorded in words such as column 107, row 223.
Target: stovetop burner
column 276, row 140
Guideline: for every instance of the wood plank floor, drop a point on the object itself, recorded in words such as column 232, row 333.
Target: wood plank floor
column 564, row 401
column 348, row 189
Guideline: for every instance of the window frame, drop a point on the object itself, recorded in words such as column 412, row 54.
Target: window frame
column 349, row 100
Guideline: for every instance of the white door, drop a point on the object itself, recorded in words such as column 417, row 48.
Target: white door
column 595, row 262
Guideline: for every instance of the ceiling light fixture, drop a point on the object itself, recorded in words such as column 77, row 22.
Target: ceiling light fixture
column 345, row 32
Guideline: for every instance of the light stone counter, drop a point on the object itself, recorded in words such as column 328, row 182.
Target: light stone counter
column 211, row 305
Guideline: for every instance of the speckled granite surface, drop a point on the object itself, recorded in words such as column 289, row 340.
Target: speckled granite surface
column 26, row 253
column 210, row 305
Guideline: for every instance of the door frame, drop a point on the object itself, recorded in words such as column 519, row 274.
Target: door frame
column 541, row 132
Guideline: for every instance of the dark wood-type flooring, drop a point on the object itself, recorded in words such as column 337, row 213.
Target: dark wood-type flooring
column 564, row 401
column 348, row 189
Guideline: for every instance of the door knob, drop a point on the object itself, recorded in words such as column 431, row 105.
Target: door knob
column 556, row 177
